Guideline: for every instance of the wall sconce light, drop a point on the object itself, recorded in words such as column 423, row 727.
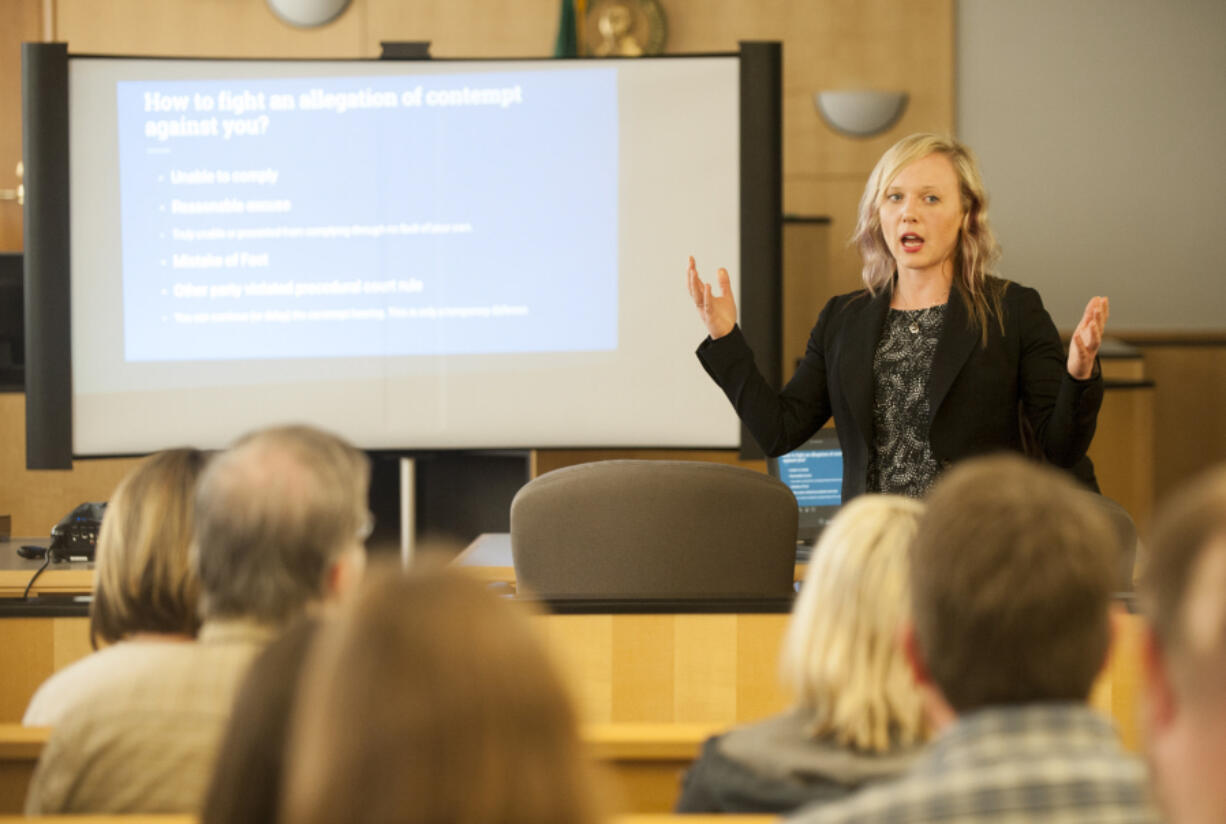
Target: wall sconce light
column 860, row 113
column 307, row 13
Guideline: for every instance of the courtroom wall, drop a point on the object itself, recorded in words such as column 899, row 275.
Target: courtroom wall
column 1100, row 125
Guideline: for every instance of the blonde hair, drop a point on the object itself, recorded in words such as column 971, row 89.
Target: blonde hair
column 431, row 700
column 144, row 581
column 977, row 251
column 840, row 653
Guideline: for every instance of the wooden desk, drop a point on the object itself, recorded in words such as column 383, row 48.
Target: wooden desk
column 34, row 646
column 669, row 669
column 489, row 558
column 57, row 579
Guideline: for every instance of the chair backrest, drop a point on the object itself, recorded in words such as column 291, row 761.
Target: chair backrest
column 654, row 530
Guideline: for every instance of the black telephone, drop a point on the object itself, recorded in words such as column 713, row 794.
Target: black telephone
column 75, row 537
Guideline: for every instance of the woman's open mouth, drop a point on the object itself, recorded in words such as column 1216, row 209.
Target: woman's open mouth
column 911, row 242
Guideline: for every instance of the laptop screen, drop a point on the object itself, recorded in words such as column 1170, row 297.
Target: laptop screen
column 814, row 473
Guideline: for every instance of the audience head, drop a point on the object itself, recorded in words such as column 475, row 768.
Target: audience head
column 840, row 655
column 1183, row 589
column 1011, row 581
column 427, row 700
column 280, row 523
column 144, row 581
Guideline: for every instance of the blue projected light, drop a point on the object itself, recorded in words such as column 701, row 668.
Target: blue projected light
column 369, row 216
column 814, row 476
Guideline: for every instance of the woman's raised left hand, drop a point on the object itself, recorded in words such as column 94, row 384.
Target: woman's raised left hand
column 1087, row 337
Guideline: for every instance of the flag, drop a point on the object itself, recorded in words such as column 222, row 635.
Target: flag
column 567, row 44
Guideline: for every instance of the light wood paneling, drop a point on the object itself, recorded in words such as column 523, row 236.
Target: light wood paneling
column 1123, row 451
column 618, row 668
column 836, row 196
column 31, row 649
column 1117, row 692
column 705, row 666
column 203, row 28
column 37, row 499
column 1189, row 424
column 505, row 28
column 806, row 288
column 20, row 21
column 717, row 669
column 1123, row 369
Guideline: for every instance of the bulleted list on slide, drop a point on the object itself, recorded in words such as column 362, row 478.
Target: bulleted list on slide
column 369, row 216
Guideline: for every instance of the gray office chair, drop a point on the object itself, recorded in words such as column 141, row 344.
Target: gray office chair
column 654, row 530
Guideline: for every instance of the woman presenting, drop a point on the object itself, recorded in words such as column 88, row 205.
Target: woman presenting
column 934, row 360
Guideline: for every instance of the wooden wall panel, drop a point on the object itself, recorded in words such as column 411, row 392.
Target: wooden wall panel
column 20, row 21
column 37, row 499
column 32, row 649
column 836, row 196
column 1189, row 418
column 718, row 669
column 806, row 286
column 618, row 668
column 506, row 28
column 1123, row 451
column 835, row 44
column 202, row 28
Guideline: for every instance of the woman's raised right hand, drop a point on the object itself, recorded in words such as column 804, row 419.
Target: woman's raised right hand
column 718, row 312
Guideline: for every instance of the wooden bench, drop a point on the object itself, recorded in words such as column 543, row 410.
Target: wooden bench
column 644, row 761
column 650, row 688
column 19, row 750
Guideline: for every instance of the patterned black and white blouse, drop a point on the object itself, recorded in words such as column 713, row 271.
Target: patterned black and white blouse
column 902, row 461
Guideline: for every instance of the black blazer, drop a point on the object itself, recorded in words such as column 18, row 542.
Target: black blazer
column 976, row 394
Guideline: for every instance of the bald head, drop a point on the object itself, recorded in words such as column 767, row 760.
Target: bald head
column 274, row 514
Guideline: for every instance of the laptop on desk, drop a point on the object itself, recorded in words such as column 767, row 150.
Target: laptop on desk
column 814, row 473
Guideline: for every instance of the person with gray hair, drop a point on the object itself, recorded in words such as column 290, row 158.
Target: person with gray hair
column 279, row 516
column 280, row 523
